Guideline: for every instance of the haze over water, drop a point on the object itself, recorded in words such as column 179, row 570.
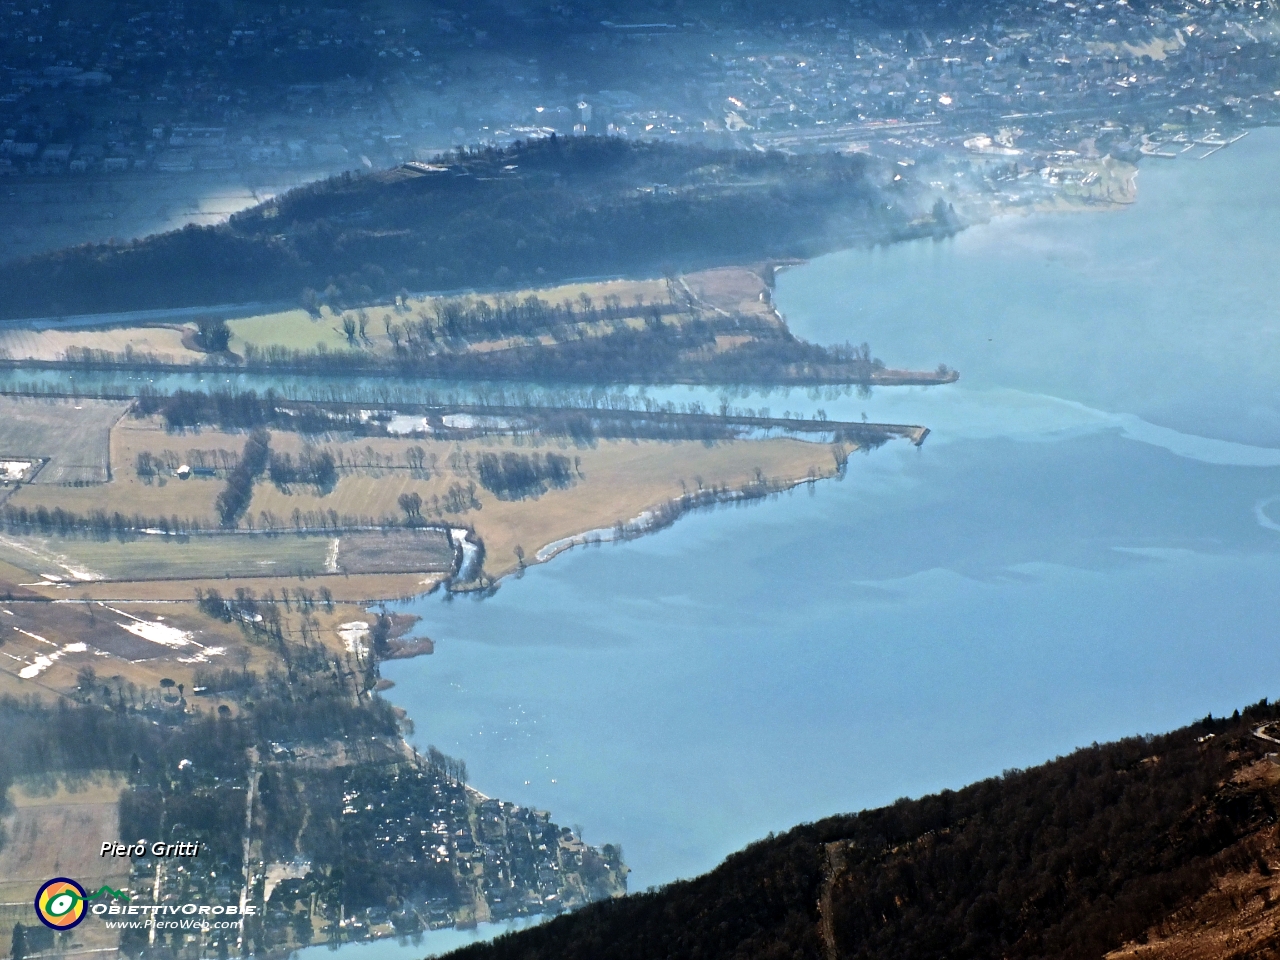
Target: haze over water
column 1086, row 547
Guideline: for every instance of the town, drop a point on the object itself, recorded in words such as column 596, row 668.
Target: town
column 411, row 848
column 180, row 96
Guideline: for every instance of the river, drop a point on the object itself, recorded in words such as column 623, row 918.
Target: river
column 1085, row 548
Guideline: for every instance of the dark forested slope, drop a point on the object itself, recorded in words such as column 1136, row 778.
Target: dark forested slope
column 1067, row 860
column 528, row 214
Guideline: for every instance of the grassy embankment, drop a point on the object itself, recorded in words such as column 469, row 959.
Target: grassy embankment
column 731, row 289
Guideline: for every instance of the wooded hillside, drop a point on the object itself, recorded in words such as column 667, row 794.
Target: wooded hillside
column 531, row 213
column 1066, row 860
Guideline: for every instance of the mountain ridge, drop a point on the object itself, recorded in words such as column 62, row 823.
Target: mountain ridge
column 1075, row 858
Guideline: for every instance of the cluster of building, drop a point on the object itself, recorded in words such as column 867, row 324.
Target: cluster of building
column 181, row 88
column 500, row 860
column 419, row 850
column 1042, row 83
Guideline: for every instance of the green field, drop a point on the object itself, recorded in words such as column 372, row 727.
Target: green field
column 165, row 558
column 293, row 330
column 234, row 555
column 300, row 330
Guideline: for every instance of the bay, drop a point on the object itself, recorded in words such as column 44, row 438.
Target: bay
column 1085, row 548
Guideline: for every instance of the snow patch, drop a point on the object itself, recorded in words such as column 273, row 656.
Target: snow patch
column 14, row 470
column 44, row 661
column 56, row 560
column 354, row 635
column 160, row 633
column 403, row 425
column 469, row 421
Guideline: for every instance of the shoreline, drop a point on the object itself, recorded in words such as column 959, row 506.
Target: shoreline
column 661, row 515
column 657, row 518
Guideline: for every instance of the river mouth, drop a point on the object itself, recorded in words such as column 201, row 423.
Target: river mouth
column 1084, row 549
column 1067, row 559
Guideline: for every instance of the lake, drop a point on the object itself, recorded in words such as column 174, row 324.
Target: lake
column 1085, row 548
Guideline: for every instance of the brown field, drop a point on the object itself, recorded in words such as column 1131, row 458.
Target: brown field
column 163, row 343
column 43, row 646
column 621, row 480
column 627, row 479
column 396, row 551
column 127, row 664
column 72, row 434
column 732, row 290
column 57, row 832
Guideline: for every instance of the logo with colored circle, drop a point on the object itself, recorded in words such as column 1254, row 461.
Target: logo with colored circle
column 60, row 904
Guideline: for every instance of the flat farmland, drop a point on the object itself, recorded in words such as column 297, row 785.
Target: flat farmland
column 395, row 551
column 58, row 833
column 77, row 560
column 613, row 481
column 359, row 590
column 617, row 481
column 210, row 555
column 134, row 644
column 734, row 290
column 300, row 330
column 163, row 343
column 73, row 434
column 44, row 646
column 128, row 493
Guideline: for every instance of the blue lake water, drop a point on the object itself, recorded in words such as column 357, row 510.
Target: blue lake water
column 1087, row 546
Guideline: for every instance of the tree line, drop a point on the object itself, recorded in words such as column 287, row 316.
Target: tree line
column 96, row 523
column 234, row 499
column 596, row 416
column 101, row 525
column 514, row 476
column 456, row 320
column 316, row 467
column 240, row 409
column 685, row 351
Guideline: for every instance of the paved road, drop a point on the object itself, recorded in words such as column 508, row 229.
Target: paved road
column 134, row 318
